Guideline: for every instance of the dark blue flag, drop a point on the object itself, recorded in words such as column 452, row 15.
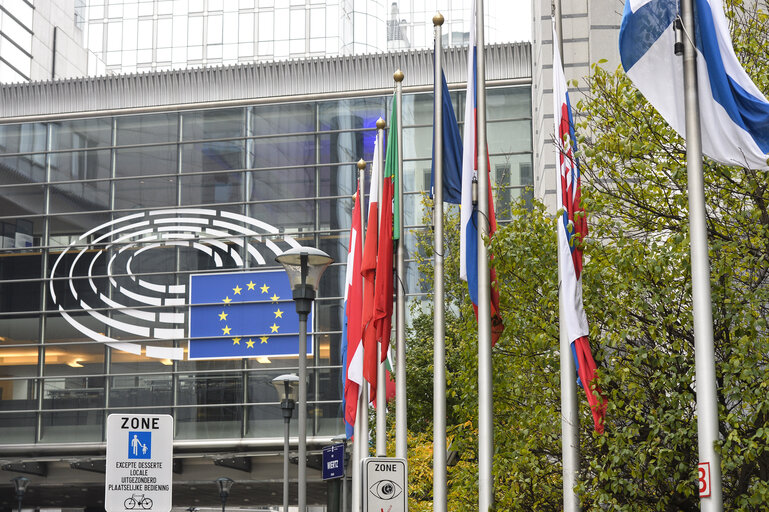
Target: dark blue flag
column 245, row 314
column 452, row 152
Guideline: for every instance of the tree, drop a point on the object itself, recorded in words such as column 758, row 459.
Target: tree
column 637, row 291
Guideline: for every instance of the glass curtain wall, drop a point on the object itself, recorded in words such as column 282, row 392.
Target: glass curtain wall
column 103, row 220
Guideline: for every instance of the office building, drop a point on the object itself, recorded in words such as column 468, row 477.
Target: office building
column 115, row 190
column 42, row 40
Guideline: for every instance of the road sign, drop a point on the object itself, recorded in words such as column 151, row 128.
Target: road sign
column 333, row 461
column 384, row 484
column 139, row 462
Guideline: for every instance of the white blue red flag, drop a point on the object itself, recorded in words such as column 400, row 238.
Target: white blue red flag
column 572, row 228
column 734, row 115
column 352, row 347
column 468, row 248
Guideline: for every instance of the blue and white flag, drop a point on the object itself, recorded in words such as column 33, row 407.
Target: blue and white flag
column 244, row 314
column 734, row 114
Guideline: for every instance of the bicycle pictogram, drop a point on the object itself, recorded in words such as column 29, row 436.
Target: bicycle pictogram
column 137, row 499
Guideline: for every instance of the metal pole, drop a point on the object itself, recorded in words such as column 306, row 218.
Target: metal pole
column 705, row 366
column 361, row 428
column 569, row 403
column 302, row 462
column 485, row 408
column 381, row 384
column 401, row 428
column 439, row 343
column 285, row 463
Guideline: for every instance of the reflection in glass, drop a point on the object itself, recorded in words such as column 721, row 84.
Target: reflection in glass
column 224, row 187
column 213, row 124
column 147, row 129
column 82, row 133
column 146, row 161
column 212, row 156
column 145, row 193
column 22, row 169
column 282, row 118
column 81, row 165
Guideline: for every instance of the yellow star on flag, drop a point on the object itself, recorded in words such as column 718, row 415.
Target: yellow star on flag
column 251, row 285
column 265, row 288
column 227, row 300
column 236, row 341
column 249, row 343
column 237, row 290
column 264, row 339
column 226, row 329
column 222, row 316
column 274, row 327
column 274, row 297
column 278, row 313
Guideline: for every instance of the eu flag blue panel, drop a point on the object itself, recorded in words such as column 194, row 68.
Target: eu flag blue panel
column 244, row 314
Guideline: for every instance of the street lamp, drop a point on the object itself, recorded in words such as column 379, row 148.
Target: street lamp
column 304, row 266
column 286, row 386
column 224, row 484
column 20, row 484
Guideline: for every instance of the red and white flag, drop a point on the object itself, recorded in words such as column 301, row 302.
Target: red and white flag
column 368, row 270
column 353, row 309
column 572, row 228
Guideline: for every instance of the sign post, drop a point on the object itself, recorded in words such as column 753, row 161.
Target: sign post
column 139, row 462
column 384, row 484
column 333, row 461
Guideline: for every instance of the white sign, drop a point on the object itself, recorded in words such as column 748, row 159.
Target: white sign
column 703, row 479
column 384, row 485
column 139, row 462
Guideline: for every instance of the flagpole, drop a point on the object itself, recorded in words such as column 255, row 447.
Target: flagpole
column 360, row 433
column 439, row 343
column 569, row 402
column 705, row 367
column 401, row 428
column 485, row 406
column 381, row 384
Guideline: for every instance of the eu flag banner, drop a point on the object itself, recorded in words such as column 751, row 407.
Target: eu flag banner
column 243, row 314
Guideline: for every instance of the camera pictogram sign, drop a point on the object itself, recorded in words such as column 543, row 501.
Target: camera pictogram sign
column 384, row 484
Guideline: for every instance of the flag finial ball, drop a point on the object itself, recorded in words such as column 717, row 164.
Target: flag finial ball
column 398, row 76
column 380, row 124
column 438, row 19
column 361, row 164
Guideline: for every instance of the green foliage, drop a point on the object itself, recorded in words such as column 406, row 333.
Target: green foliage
column 637, row 292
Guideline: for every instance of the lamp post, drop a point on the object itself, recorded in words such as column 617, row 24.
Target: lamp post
column 304, row 266
column 20, row 484
column 286, row 386
column 224, row 484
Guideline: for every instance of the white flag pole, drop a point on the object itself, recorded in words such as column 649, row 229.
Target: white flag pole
column 569, row 401
column 401, row 427
column 485, row 403
column 439, row 343
column 705, row 367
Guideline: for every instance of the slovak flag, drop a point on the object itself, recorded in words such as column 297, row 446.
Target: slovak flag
column 468, row 244
column 352, row 327
column 734, row 115
column 572, row 228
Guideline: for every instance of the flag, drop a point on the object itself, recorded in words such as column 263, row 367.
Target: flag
column 572, row 228
column 452, row 151
column 243, row 314
column 383, row 303
column 352, row 327
column 468, row 248
column 368, row 270
column 734, row 115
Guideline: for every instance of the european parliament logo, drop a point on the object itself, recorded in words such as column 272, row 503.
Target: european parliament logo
column 245, row 314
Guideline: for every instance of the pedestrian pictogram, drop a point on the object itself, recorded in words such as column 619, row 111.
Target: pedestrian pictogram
column 139, row 445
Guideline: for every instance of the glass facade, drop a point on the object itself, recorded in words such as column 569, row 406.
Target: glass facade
column 91, row 226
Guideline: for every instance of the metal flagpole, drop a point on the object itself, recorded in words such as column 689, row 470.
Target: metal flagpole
column 401, row 428
column 485, row 408
column 569, row 403
column 705, row 366
column 381, row 384
column 360, row 441
column 439, row 343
